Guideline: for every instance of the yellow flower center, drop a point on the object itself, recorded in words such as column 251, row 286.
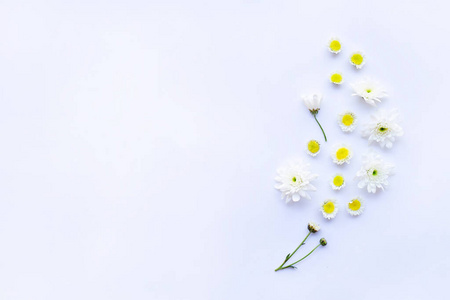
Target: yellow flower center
column 328, row 207
column 342, row 153
column 335, row 45
column 354, row 205
column 338, row 180
column 347, row 119
column 336, row 78
column 313, row 146
column 357, row 59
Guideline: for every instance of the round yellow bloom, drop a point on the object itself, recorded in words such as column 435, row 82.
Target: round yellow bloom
column 337, row 182
column 336, row 78
column 347, row 121
column 313, row 147
column 329, row 209
column 341, row 154
column 334, row 45
column 355, row 207
column 358, row 59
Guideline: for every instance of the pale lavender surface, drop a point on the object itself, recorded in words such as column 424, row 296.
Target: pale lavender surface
column 140, row 140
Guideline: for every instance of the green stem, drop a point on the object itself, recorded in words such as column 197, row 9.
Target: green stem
column 290, row 255
column 281, row 268
column 320, row 126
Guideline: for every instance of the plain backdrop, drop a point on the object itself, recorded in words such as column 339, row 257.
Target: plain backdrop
column 140, row 141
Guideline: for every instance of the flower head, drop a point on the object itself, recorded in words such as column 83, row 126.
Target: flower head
column 334, row 45
column 355, row 207
column 347, row 121
column 337, row 182
column 313, row 227
column 374, row 173
column 313, row 102
column 294, row 180
column 329, row 209
column 341, row 154
column 323, row 241
column 370, row 90
column 313, row 147
column 383, row 128
column 358, row 59
column 336, row 78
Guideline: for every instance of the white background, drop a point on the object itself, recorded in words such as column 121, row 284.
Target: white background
column 140, row 140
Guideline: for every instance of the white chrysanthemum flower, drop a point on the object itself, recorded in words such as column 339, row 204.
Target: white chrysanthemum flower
column 295, row 180
column 355, row 207
column 383, row 128
column 337, row 182
column 313, row 227
column 341, row 154
column 313, row 148
column 313, row 102
column 334, row 45
column 374, row 173
column 329, row 209
column 347, row 121
column 358, row 59
column 370, row 90
column 336, row 78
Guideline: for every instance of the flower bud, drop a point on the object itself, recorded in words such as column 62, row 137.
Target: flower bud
column 323, row 241
column 313, row 227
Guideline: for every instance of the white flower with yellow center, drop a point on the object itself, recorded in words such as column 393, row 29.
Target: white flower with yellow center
column 337, row 182
column 374, row 173
column 294, row 180
column 383, row 128
column 355, row 207
column 336, row 78
column 334, row 45
column 341, row 154
column 329, row 209
column 347, row 121
column 313, row 147
column 369, row 90
column 358, row 59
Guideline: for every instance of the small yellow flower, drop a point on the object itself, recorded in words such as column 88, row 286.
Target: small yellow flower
column 336, row 78
column 347, row 121
column 355, row 207
column 329, row 209
column 337, row 182
column 313, row 147
column 341, row 154
column 334, row 45
column 358, row 59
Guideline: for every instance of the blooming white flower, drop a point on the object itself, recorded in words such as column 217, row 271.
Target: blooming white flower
column 313, row 147
column 313, row 227
column 337, row 182
column 355, row 207
column 358, row 59
column 329, row 209
column 295, row 180
column 374, row 173
column 347, row 121
column 336, row 78
column 370, row 90
column 383, row 128
column 341, row 154
column 313, row 102
column 334, row 45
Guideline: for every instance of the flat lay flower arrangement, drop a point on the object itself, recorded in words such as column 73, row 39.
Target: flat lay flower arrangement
column 295, row 180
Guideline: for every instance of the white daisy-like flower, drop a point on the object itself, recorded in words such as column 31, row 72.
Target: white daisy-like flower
column 294, row 180
column 336, row 78
column 374, row 173
column 358, row 59
column 341, row 154
column 334, row 45
column 329, row 209
column 313, row 148
column 370, row 90
column 337, row 182
column 313, row 227
column 355, row 207
column 313, row 102
column 347, row 121
column 383, row 128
